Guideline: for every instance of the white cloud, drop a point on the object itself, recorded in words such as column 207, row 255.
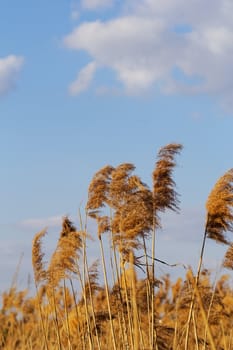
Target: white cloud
column 123, row 45
column 151, row 38
column 83, row 80
column 95, row 4
column 9, row 69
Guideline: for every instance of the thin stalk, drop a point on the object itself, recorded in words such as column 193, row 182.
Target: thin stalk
column 197, row 281
column 202, row 253
column 77, row 314
column 148, row 286
column 154, row 344
column 209, row 309
column 56, row 321
column 128, row 307
column 41, row 318
column 176, row 326
column 114, row 277
column 107, row 292
column 195, row 330
column 92, row 308
column 134, row 304
column 84, row 278
column 85, row 303
column 119, row 293
column 224, row 335
column 203, row 314
column 142, row 346
column 67, row 316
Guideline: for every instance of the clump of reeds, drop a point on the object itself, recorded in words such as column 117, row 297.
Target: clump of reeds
column 73, row 310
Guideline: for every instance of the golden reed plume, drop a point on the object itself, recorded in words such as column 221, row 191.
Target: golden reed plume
column 219, row 208
column 132, row 205
column 165, row 196
column 37, row 258
column 98, row 190
column 64, row 259
column 228, row 259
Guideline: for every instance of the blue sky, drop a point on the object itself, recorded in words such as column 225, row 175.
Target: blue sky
column 94, row 82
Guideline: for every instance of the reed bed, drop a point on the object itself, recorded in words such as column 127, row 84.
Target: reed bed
column 129, row 308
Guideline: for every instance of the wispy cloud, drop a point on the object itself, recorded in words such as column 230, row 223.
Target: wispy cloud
column 10, row 66
column 83, row 80
column 152, row 39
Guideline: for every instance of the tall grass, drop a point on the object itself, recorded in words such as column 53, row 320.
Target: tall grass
column 72, row 309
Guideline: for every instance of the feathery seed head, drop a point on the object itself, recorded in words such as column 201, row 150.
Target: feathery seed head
column 228, row 259
column 37, row 258
column 66, row 255
column 219, row 208
column 164, row 193
column 98, row 189
column 133, row 204
column 103, row 225
column 119, row 186
column 67, row 227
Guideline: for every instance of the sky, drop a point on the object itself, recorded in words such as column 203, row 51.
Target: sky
column 94, row 82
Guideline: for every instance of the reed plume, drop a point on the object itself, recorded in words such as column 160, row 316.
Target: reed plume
column 103, row 224
column 119, row 187
column 131, row 203
column 38, row 258
column 98, row 190
column 40, row 275
column 228, row 259
column 133, row 209
column 219, row 220
column 164, row 193
column 219, row 217
column 219, row 209
column 64, row 260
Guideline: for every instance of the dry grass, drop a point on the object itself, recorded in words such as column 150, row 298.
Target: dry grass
column 73, row 310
